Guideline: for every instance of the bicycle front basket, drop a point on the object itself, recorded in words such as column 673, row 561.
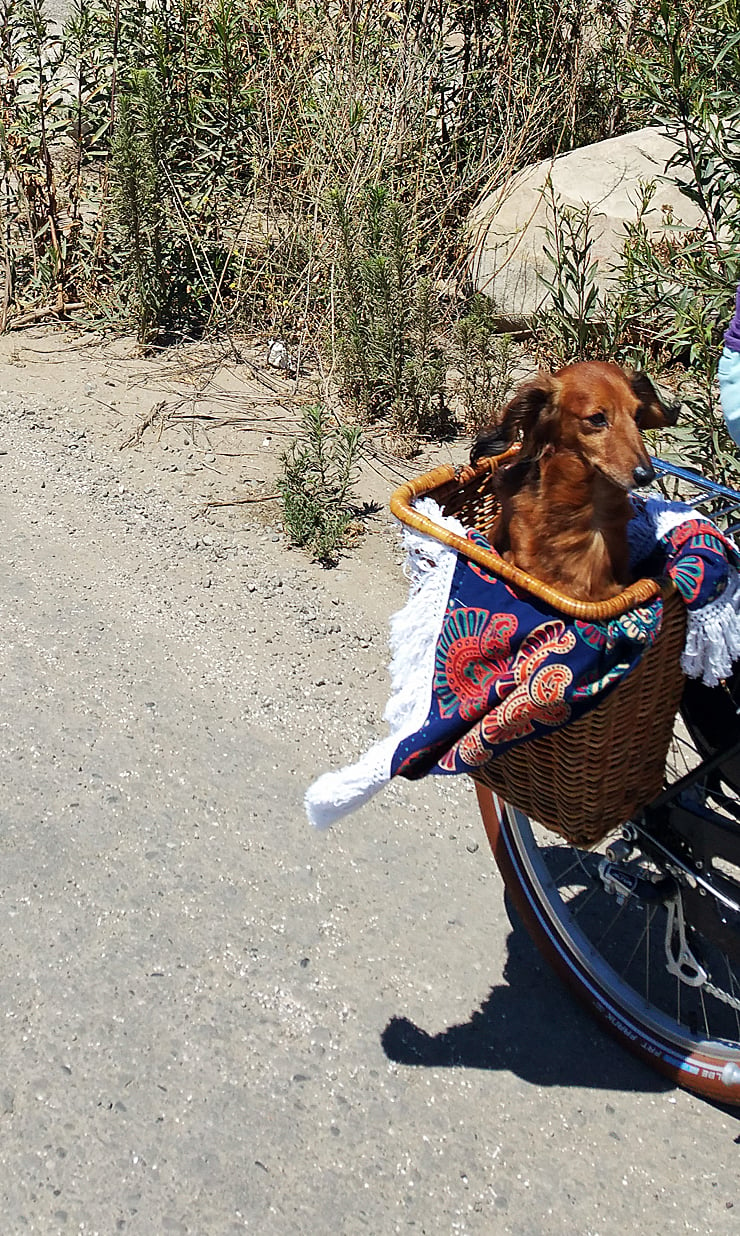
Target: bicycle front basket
column 590, row 777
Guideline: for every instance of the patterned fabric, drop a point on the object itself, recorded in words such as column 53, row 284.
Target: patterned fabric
column 506, row 668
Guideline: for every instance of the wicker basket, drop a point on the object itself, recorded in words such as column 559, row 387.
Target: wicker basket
column 588, row 778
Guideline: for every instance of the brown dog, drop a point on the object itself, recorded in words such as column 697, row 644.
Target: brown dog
column 564, row 500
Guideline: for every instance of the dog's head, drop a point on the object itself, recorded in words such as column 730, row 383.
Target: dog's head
column 592, row 409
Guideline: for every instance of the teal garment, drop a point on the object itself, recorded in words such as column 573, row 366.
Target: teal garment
column 729, row 391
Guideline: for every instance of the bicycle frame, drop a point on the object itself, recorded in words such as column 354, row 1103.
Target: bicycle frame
column 727, row 500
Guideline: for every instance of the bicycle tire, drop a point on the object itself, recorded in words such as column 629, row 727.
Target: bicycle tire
column 694, row 1058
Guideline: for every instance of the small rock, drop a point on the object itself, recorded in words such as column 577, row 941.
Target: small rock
column 278, row 356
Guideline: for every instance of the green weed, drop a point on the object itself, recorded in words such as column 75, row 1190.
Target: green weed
column 482, row 358
column 319, row 471
column 581, row 321
column 390, row 361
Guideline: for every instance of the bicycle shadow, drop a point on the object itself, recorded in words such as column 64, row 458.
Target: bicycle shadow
column 530, row 1026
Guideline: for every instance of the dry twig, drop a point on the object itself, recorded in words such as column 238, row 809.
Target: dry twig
column 155, row 414
column 216, row 502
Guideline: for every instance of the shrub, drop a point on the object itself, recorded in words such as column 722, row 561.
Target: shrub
column 316, row 486
column 681, row 286
column 483, row 359
column 262, row 110
column 390, row 362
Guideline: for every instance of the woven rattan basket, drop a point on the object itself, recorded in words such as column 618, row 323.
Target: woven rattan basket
column 588, row 778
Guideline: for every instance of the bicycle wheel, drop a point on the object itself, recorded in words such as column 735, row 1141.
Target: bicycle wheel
column 684, row 1022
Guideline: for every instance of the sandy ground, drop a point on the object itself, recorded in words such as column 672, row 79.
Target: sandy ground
column 215, row 1020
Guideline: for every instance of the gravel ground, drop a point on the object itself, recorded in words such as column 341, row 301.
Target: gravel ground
column 216, row 1020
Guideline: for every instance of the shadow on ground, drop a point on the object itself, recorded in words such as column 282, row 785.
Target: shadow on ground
column 530, row 1026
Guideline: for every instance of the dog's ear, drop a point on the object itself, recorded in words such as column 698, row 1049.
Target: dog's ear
column 532, row 412
column 653, row 412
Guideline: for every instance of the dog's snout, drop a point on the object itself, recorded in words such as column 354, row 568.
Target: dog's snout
column 643, row 474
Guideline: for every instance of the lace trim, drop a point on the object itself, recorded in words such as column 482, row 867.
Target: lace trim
column 414, row 632
column 713, row 631
column 713, row 636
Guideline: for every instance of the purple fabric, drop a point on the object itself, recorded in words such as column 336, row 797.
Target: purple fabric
column 732, row 334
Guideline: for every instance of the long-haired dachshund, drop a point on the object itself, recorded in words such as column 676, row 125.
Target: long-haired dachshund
column 564, row 499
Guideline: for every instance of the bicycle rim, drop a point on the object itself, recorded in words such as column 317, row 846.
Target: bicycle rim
column 613, row 956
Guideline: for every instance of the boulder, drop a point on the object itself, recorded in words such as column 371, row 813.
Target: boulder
column 508, row 227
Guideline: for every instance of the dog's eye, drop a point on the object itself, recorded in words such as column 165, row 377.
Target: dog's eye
column 598, row 420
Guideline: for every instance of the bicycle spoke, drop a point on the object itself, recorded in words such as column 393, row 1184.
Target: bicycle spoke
column 634, row 952
column 608, row 928
column 578, row 910
column 733, row 991
column 574, row 866
column 651, row 916
column 704, row 1012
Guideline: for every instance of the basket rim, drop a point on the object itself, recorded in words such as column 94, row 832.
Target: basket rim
column 449, row 477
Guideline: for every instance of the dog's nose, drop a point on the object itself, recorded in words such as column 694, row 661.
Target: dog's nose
column 643, row 474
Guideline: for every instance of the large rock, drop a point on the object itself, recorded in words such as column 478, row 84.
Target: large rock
column 508, row 227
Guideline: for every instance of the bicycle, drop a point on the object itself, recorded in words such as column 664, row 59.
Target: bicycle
column 644, row 925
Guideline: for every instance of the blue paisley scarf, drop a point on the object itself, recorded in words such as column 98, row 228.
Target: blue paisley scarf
column 479, row 665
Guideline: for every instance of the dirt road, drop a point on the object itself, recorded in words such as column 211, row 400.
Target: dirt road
column 213, row 1019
